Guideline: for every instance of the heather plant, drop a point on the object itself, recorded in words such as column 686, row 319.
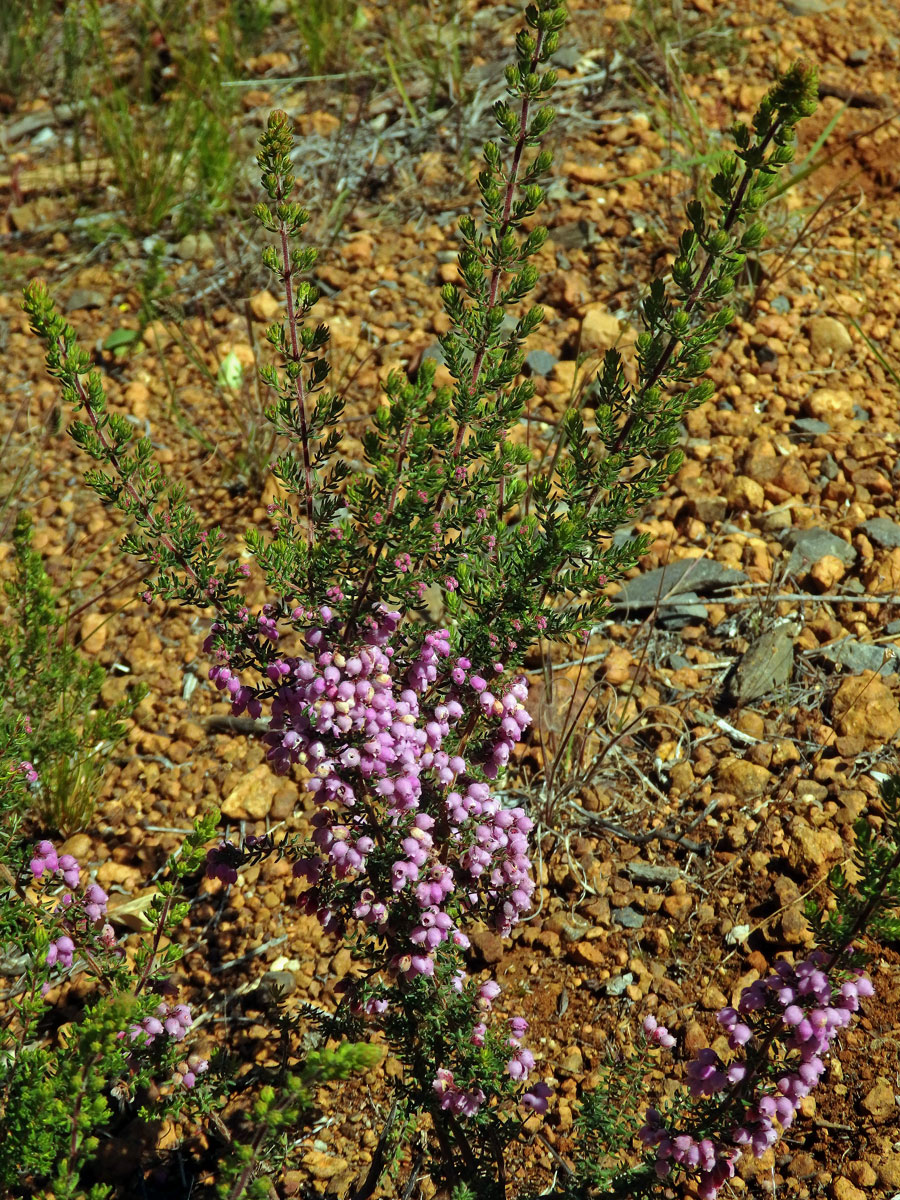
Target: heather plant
column 401, row 729
column 51, row 714
column 58, row 1092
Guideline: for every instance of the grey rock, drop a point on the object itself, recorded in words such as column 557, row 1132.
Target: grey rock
column 540, row 362
column 628, row 917
column 807, row 546
column 857, row 656
column 830, row 469
column 568, row 58
column 571, row 927
column 882, row 532
column 678, row 615
column 858, row 58
column 677, row 661
column 782, row 305
column 861, row 414
column 810, row 426
column 281, row 983
column 651, row 873
column 765, row 666
column 616, row 987
column 575, row 234
column 892, row 627
column 85, row 298
column 694, row 576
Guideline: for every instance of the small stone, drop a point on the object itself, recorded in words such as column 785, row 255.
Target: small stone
column 883, row 575
column 628, row 918
column 137, row 397
column 678, row 907
column 857, row 657
column 810, row 426
column 888, row 1169
column 489, row 946
column 744, row 780
column 827, row 333
column 617, row 666
column 861, row 1173
column 695, row 1037
column 864, row 707
column 359, row 249
column 745, row 494
column 93, row 632
column 540, row 362
column 570, row 926
column 282, row 982
column 323, row 1166
column 653, row 874
column 572, row 1061
column 85, row 298
column 264, row 306
column 252, row 799
column 882, row 532
column 828, row 403
column 808, row 546
column 766, row 665
column 587, row 954
column 713, row 998
column 599, row 329
column 813, row 847
column 196, row 246
column 843, row 1189
column 79, row 845
column 802, row 1165
column 617, row 986
column 826, row 573
column 880, row 1102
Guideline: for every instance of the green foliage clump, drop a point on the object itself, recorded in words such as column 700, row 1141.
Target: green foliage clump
column 50, row 712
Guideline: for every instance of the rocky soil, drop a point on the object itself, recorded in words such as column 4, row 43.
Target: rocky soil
column 741, row 700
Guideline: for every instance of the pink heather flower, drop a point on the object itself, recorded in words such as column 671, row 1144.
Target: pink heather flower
column 518, row 1027
column 658, row 1033
column 521, row 1063
column 95, row 901
column 489, row 992
column 44, row 859
column 61, row 952
column 71, row 872
column 537, row 1097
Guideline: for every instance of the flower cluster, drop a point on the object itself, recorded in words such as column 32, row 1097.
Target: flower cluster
column 452, row 1098
column 174, row 1020
column 801, row 1008
column 82, row 914
column 658, row 1033
column 408, row 836
column 187, row 1071
column 27, row 769
column 77, row 912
